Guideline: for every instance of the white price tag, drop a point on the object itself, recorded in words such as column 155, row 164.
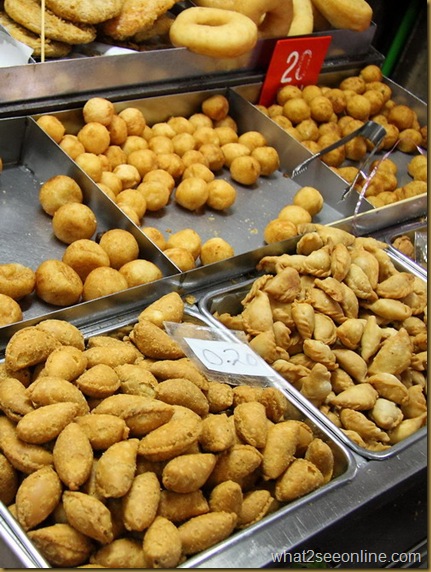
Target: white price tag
column 229, row 357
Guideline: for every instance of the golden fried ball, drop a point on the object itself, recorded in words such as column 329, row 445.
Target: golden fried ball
column 58, row 191
column 129, row 175
column 288, row 92
column 172, row 163
column 10, row 310
column 214, row 250
column 133, row 199
column 192, row 157
column 308, row 130
column 214, row 156
column 95, row 137
column 71, row 145
column 375, row 99
column 200, row 120
column 245, row 170
column 91, row 164
column 107, row 190
column 268, row 158
column 74, row 221
column 134, row 143
column 382, row 87
column 221, row 194
column 16, row 280
column 120, row 245
column 275, row 110
column 140, row 271
column 391, row 137
column 199, row 170
column 321, row 108
column 52, row 126
column 402, row 116
column 98, row 109
column 283, row 122
column 216, row 107
column 311, row 91
column 370, row 73
column 359, row 107
column 309, row 199
column 279, row 229
column 252, row 139
column 85, row 255
column 155, row 235
column 338, row 99
column 353, row 83
column 294, row 213
column 115, row 155
column 409, row 140
column 144, row 160
column 296, row 109
column 355, row 149
column 205, row 135
column 162, row 128
column 131, row 214
column 233, row 150
column 161, row 144
column 181, row 124
column 156, row 194
column 181, row 257
column 103, row 281
column 226, row 134
column 192, row 193
column 418, row 167
column 183, row 142
column 117, row 130
column 57, row 283
column 228, row 121
column 111, row 180
column 160, row 176
column 186, row 238
column 134, row 119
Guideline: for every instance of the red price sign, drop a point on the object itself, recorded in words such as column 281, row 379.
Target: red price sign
column 295, row 61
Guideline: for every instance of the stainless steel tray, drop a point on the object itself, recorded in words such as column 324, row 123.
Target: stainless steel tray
column 418, row 261
column 23, row 553
column 228, row 298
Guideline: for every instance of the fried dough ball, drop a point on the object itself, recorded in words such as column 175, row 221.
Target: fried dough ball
column 192, row 193
column 52, row 126
column 71, row 145
column 192, row 157
column 268, row 158
column 214, row 250
column 311, row 91
column 181, row 257
column 186, row 238
column 418, row 168
column 370, row 73
column 216, row 107
column 117, row 130
column 233, row 150
column 156, row 195
column 140, row 271
column 182, row 142
column 294, row 213
column 214, row 156
column 85, row 255
column 143, row 160
column 359, row 107
column 245, row 170
column 279, row 229
column 95, row 137
column 120, row 245
column 252, row 139
column 115, row 156
column 132, row 199
column 162, row 129
column 309, row 199
column 58, row 191
column 10, row 310
column 287, row 92
column 103, row 281
column 131, row 214
column 111, row 180
column 338, row 99
column 200, row 120
column 135, row 120
column 353, row 83
column 172, row 163
column 98, row 109
column 402, row 116
column 16, row 280
column 226, row 134
column 161, row 144
column 308, row 130
column 74, row 221
column 181, row 124
column 57, row 283
column 221, row 194
column 91, row 164
column 155, row 235
column 160, row 176
column 375, row 99
column 199, row 170
column 129, row 175
column 134, row 143
column 321, row 108
column 296, row 110
column 409, row 140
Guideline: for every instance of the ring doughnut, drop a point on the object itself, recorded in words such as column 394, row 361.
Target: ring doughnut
column 272, row 17
column 214, row 32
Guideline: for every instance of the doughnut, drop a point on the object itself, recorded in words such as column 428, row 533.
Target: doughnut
column 28, row 13
column 213, row 32
column 303, row 18
column 273, row 18
column 85, row 11
column 346, row 14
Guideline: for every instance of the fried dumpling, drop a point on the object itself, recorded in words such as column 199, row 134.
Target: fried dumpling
column 285, row 285
column 396, row 286
column 394, row 356
column 257, row 314
column 358, row 421
column 359, row 397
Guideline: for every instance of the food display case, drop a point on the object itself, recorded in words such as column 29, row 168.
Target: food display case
column 180, row 82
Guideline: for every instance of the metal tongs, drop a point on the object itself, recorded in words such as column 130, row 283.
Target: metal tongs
column 370, row 130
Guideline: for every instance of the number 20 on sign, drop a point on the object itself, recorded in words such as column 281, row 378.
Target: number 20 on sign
column 295, row 61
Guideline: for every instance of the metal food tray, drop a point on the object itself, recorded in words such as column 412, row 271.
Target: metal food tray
column 23, row 553
column 227, row 299
column 30, row 157
column 410, row 231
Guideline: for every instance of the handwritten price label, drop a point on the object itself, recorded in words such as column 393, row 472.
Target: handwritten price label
column 295, row 61
column 229, row 357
